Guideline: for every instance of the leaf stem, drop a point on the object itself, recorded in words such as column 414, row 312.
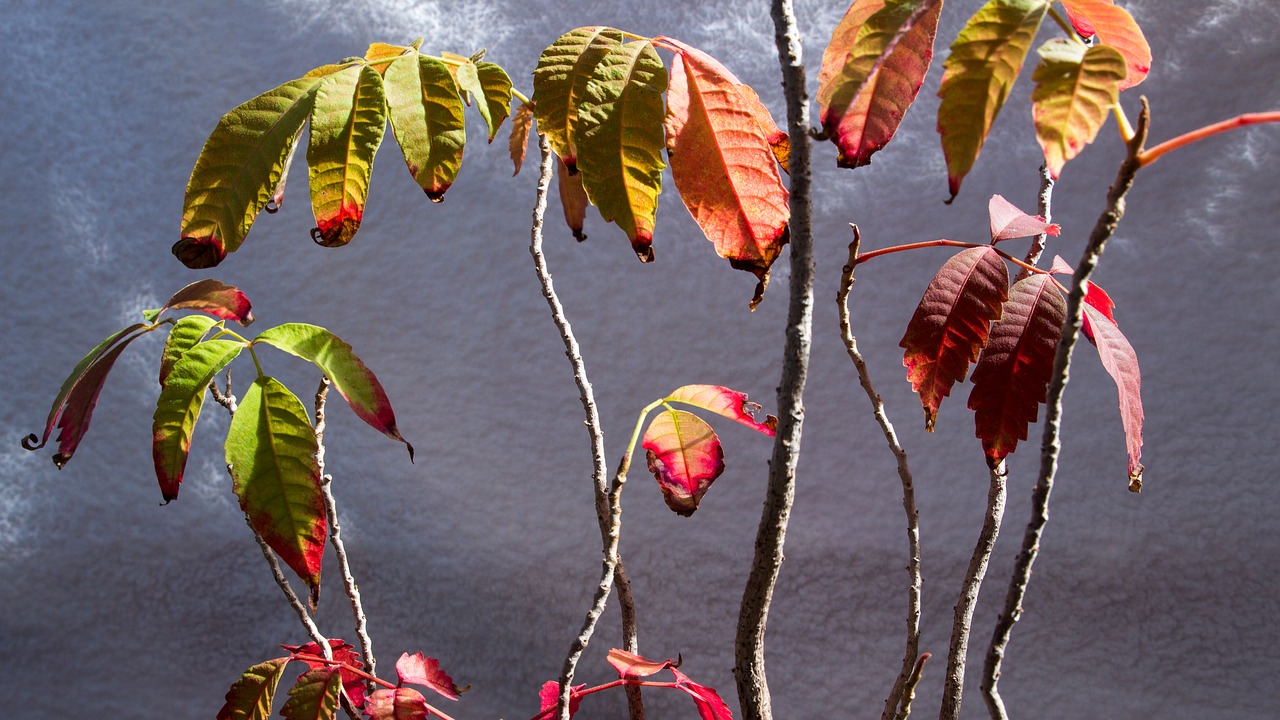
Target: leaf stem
column 1026, row 266
column 1066, row 26
column 1146, row 157
column 1044, row 207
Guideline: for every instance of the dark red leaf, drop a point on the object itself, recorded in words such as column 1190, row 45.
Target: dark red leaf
column 316, row 696
column 709, row 703
column 250, row 697
column 398, row 704
column 684, row 456
column 633, row 667
column 419, row 670
column 951, row 323
column 343, row 652
column 549, row 696
column 224, row 302
column 1121, row 363
column 1008, row 222
column 74, row 420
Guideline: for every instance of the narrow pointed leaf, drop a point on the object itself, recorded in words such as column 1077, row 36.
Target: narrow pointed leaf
column 518, row 145
column 251, row 696
column 560, row 84
column 224, row 302
column 426, row 116
column 951, row 324
column 397, row 704
column 73, row 422
column 183, row 336
column 573, row 199
column 619, row 140
column 1013, row 373
column 723, row 164
column 316, row 696
column 1094, row 296
column 178, row 409
column 1121, row 363
column 1008, row 222
column 549, row 697
column 350, row 376
column 418, row 669
column 884, row 66
column 709, row 703
column 684, row 456
column 343, row 652
column 347, row 123
column 1116, row 28
column 271, row 449
column 729, row 403
column 979, row 72
column 494, row 102
column 1075, row 90
column 633, row 667
column 239, row 170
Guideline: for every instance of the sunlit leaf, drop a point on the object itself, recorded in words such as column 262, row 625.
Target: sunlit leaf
column 184, row 334
column 573, row 199
column 224, row 302
column 350, row 376
column 1075, row 90
column 397, row 704
column 1121, row 363
column 631, row 666
column 1008, row 222
column 426, row 116
column 521, row 124
column 1114, row 27
column 560, row 84
column 843, row 37
column 549, row 697
column 343, row 652
column 178, row 409
column 950, row 325
column 416, row 669
column 723, row 401
column 619, row 140
column 978, row 74
column 251, row 696
column 684, row 456
column 347, row 122
column 380, row 55
column 316, row 696
column 1013, row 373
column 495, row 102
column 709, row 703
column 271, row 451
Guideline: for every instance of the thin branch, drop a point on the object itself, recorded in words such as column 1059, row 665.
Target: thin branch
column 289, row 595
column 1146, row 157
column 953, row 684
column 1103, row 229
column 1045, row 207
column 897, row 695
column 749, row 670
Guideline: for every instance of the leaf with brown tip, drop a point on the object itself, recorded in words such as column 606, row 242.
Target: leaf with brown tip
column 684, row 456
column 426, row 117
column 347, row 123
column 178, row 408
column 573, row 199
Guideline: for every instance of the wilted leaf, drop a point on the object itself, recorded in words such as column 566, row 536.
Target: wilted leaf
column 619, row 140
column 347, row 123
column 1075, row 90
column 183, row 336
column 951, row 324
column 708, row 701
column 573, row 199
column 419, row 670
column 342, row 652
column 178, row 408
column 1012, row 377
column 1116, row 28
column 633, row 667
column 316, row 696
column 521, row 123
column 239, row 170
column 494, row 102
column 874, row 74
column 397, row 704
column 1121, row 363
column 224, row 302
column 426, row 116
column 978, row 74
column 271, row 450
column 350, row 376
column 1008, row 222
column 549, row 697
column 723, row 401
column 250, row 697
column 684, row 456
column 560, row 84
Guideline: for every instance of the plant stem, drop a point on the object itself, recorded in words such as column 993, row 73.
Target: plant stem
column 1066, row 26
column 1146, row 157
column 1103, row 229
column 909, row 692
column 953, row 684
column 1044, row 205
column 749, row 670
column 1026, row 266
column 896, row 697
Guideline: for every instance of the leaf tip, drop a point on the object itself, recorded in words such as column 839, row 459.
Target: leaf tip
column 199, row 253
column 313, row 600
column 930, row 419
column 1135, row 478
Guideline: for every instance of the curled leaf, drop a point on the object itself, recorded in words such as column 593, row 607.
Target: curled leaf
column 685, row 457
column 178, row 409
column 417, row 669
column 1114, row 27
column 1008, row 222
column 222, row 301
column 1121, row 363
column 251, row 696
column 1075, row 90
column 347, row 122
column 631, row 666
column 494, row 102
column 573, row 199
column 723, row 401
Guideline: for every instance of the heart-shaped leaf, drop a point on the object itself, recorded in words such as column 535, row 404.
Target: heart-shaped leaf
column 684, row 456
column 1008, row 222
column 1116, row 28
column 224, row 302
column 1121, row 363
column 178, row 409
column 729, row 403
column 560, row 84
column 573, row 199
column 347, row 122
column 316, row 696
column 251, row 696
column 1075, row 90
column 426, row 117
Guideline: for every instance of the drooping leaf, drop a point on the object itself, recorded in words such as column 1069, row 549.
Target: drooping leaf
column 560, row 84
column 426, row 117
column 271, row 451
column 684, row 456
column 350, row 376
column 316, row 696
column 347, row 122
column 1094, row 296
column 1075, row 90
column 521, row 124
column 631, row 666
column 978, row 74
column 951, row 324
column 178, row 408
column 468, row 81
column 417, row 669
column 709, row 703
column 1121, row 363
column 874, row 78
column 238, row 171
column 398, row 704
column 183, row 336
column 495, row 102
column 251, row 696
column 729, row 403
column 549, row 697
column 843, row 37
column 342, row 652
column 723, row 164
column 1008, row 222
column 1116, row 28
column 619, row 140
column 573, row 199
column 277, row 196
column 1013, row 373
column 224, row 302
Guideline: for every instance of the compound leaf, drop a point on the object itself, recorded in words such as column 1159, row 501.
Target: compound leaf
column 426, row 117
column 684, row 456
column 224, row 302
column 1121, row 363
column 560, row 84
column 723, row 401
column 1116, row 28
column 348, row 119
column 1075, row 90
column 316, row 696
column 178, row 408
column 251, row 696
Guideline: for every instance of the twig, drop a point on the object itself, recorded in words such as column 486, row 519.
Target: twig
column 953, row 683
column 909, row 692
column 1146, row 157
column 1044, row 206
column 289, row 595
column 749, row 671
column 896, row 697
column 1103, row 229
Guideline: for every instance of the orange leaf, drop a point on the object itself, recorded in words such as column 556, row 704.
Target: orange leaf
column 573, row 199
column 1113, row 26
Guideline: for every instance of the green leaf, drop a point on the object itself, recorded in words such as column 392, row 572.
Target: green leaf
column 495, row 103
column 350, row 377
column 560, row 83
column 251, row 696
column 271, row 449
column 1075, row 90
column 426, row 116
column 347, row 122
column 178, row 408
column 238, row 171
column 620, row 140
column 186, row 332
column 978, row 74
column 315, row 696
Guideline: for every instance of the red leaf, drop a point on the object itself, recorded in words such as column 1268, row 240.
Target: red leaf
column 316, row 696
column 723, row 163
column 224, row 302
column 343, row 652
column 709, row 703
column 549, row 696
column 723, row 401
column 1114, row 26
column 83, row 398
column 250, row 697
column 573, row 199
column 633, row 667
column 1093, row 295
column 1012, row 377
column 398, row 704
column 951, row 324
column 1121, row 363
column 425, row 671
column 684, row 456
column 1008, row 222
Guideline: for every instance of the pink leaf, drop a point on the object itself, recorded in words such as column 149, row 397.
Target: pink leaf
column 1008, row 222
column 224, row 302
column 1061, row 267
column 684, row 456
column 1094, row 296
column 729, row 403
column 633, row 667
column 549, row 696
column 709, row 703
column 343, row 652
column 1121, row 362
column 425, row 671
column 398, row 704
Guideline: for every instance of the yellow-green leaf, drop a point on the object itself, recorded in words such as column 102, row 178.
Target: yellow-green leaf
column 560, row 82
column 185, row 334
column 178, row 408
column 1075, row 89
column 426, row 116
column 347, row 122
column 495, row 102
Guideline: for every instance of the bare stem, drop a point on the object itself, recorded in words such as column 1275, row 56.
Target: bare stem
column 896, row 697
column 1044, row 206
column 749, row 670
column 289, row 595
column 1103, row 229
column 1146, row 157
column 953, row 684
